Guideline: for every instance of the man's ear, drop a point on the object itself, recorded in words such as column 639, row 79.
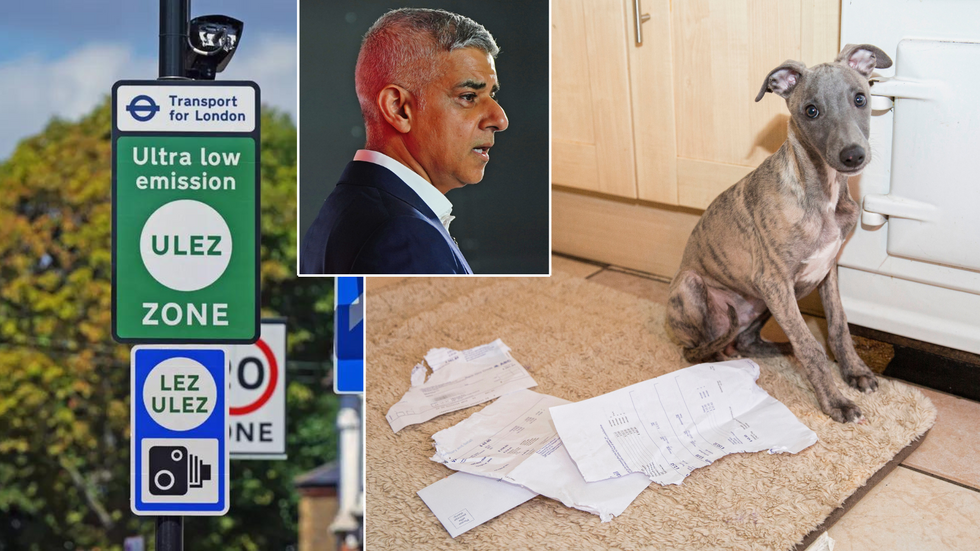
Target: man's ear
column 864, row 58
column 397, row 106
column 783, row 79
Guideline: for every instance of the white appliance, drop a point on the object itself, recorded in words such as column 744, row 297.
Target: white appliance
column 912, row 267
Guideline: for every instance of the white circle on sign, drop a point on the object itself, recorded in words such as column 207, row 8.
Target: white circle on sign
column 180, row 394
column 185, row 245
column 164, row 487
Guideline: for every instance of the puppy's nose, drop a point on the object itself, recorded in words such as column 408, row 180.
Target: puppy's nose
column 852, row 156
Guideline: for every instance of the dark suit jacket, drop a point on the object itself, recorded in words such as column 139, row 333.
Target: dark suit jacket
column 373, row 223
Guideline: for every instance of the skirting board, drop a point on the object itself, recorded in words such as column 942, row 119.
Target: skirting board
column 623, row 233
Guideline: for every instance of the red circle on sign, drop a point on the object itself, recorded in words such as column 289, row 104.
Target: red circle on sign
column 273, row 379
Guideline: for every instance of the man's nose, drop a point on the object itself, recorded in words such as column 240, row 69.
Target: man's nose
column 496, row 118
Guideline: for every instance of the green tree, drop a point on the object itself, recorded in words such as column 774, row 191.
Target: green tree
column 64, row 384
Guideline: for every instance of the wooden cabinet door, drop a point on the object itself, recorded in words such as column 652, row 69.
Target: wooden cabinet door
column 722, row 52
column 674, row 120
column 592, row 141
column 651, row 72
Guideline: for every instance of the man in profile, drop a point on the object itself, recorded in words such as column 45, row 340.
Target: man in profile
column 426, row 83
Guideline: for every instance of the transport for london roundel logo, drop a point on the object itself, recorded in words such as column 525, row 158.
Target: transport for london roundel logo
column 142, row 108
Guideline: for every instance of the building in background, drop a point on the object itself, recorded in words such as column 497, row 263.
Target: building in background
column 318, row 504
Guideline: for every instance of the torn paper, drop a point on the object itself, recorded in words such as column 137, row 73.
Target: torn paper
column 514, row 440
column 439, row 357
column 668, row 426
column 463, row 501
column 460, row 379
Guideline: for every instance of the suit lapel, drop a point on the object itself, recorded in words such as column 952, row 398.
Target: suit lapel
column 361, row 173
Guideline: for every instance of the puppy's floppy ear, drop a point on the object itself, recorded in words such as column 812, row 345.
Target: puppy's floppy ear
column 864, row 58
column 783, row 79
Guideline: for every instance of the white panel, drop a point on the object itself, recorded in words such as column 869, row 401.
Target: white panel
column 935, row 150
column 886, row 22
column 205, row 108
column 924, row 312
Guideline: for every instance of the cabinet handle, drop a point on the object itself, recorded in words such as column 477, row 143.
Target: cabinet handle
column 640, row 20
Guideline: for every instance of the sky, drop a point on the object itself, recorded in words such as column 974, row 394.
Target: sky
column 61, row 57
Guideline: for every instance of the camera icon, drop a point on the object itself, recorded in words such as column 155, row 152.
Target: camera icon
column 173, row 471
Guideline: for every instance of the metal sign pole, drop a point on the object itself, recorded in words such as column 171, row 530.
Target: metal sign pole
column 178, row 451
column 174, row 21
column 170, row 534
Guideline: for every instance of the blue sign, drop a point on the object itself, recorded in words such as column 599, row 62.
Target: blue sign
column 179, row 415
column 348, row 335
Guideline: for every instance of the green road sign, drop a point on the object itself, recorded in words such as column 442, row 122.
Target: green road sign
column 185, row 212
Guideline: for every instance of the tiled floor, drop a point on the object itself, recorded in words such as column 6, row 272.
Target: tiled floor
column 929, row 503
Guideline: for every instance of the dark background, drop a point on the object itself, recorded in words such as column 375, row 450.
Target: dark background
column 502, row 224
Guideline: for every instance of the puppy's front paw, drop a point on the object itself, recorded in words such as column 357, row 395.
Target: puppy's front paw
column 865, row 382
column 845, row 412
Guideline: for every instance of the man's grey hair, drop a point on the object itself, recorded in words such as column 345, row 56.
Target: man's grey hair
column 401, row 48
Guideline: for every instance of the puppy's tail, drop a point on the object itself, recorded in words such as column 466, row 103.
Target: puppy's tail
column 708, row 351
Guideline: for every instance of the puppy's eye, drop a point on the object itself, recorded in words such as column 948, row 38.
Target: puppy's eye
column 860, row 100
column 812, row 111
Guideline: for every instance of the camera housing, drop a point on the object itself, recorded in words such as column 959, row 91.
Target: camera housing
column 213, row 40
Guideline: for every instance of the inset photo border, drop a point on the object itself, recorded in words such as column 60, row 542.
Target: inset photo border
column 501, row 225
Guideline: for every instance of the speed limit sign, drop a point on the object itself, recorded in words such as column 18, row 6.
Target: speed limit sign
column 257, row 395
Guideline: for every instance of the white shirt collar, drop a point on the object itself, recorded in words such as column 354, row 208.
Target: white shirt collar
column 431, row 196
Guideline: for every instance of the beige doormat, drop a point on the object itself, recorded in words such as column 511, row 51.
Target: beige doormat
column 579, row 339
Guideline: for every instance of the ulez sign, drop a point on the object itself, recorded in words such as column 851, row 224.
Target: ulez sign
column 185, row 212
column 179, row 453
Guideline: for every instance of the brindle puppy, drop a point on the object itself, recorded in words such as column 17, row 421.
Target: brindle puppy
column 774, row 236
